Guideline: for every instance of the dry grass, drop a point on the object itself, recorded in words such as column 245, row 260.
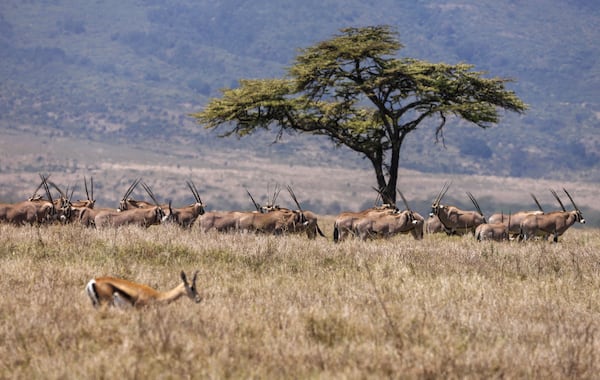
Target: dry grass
column 286, row 307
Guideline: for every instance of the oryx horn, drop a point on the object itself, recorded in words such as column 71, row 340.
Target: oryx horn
column 384, row 199
column 194, row 191
column 45, row 183
column 536, row 202
column 571, row 199
column 403, row 199
column 256, row 205
column 37, row 188
column 275, row 194
column 476, row 204
column 289, row 189
column 131, row 188
column 87, row 193
column 558, row 199
column 442, row 192
column 150, row 193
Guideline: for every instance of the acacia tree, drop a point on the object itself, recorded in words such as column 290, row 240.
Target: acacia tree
column 354, row 90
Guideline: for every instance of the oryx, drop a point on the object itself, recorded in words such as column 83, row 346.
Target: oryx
column 35, row 210
column 186, row 216
column 143, row 217
column 344, row 223
column 551, row 224
column 455, row 220
column 386, row 224
column 433, row 225
column 514, row 223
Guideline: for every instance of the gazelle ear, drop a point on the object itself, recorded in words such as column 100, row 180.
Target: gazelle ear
column 183, row 277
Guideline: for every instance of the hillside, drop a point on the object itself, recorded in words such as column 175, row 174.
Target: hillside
column 128, row 73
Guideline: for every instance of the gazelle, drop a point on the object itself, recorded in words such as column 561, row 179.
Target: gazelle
column 112, row 291
column 551, row 224
column 455, row 220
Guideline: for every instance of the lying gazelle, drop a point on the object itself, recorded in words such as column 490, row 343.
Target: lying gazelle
column 111, row 291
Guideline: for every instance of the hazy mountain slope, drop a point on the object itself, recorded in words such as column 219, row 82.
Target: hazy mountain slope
column 124, row 71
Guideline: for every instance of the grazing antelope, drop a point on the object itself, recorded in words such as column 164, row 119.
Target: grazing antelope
column 222, row 221
column 433, row 225
column 35, row 210
column 386, row 225
column 144, row 217
column 186, row 216
column 455, row 220
column 311, row 224
column 275, row 222
column 551, row 224
column 118, row 292
column 90, row 201
column 344, row 224
column 498, row 231
column 514, row 223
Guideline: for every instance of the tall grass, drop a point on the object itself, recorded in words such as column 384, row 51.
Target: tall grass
column 287, row 307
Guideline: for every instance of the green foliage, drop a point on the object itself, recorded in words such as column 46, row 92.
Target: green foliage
column 351, row 89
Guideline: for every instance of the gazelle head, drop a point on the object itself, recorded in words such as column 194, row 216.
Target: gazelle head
column 191, row 290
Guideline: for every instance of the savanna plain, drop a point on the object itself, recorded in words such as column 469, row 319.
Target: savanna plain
column 290, row 307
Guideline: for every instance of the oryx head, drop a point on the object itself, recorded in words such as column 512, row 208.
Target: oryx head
column 301, row 218
column 196, row 194
column 436, row 206
column 123, row 203
column 578, row 214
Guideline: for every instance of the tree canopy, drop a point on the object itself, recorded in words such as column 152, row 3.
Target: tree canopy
column 354, row 89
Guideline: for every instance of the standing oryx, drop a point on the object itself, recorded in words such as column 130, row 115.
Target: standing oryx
column 143, row 217
column 310, row 226
column 551, row 224
column 186, row 216
column 35, row 210
column 455, row 220
column 497, row 231
column 345, row 222
column 514, row 223
column 386, row 224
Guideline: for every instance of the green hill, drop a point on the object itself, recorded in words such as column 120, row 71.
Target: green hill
column 129, row 71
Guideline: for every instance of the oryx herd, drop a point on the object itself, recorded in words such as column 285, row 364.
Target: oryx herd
column 384, row 220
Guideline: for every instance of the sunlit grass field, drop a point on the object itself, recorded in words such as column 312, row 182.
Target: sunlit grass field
column 289, row 307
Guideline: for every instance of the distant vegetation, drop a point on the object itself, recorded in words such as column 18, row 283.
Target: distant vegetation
column 123, row 70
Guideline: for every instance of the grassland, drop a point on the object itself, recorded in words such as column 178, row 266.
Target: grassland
column 287, row 307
